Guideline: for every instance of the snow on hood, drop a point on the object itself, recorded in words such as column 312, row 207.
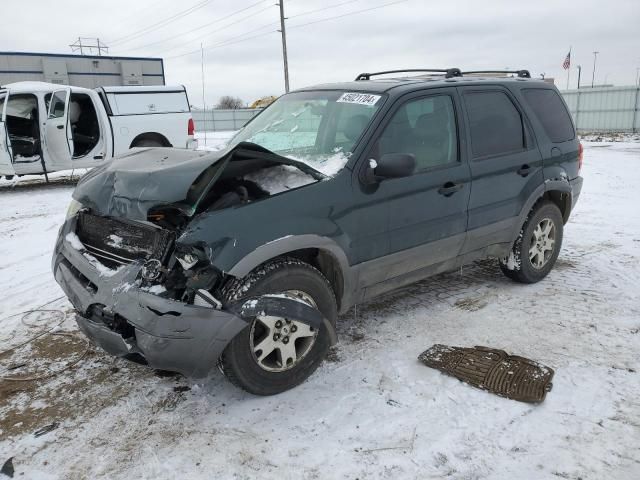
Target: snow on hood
column 280, row 178
column 328, row 165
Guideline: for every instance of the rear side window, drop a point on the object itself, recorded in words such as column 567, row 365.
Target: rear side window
column 551, row 112
column 496, row 124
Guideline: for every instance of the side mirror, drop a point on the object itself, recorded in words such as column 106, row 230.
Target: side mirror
column 391, row 165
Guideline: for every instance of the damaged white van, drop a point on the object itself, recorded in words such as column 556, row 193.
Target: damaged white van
column 46, row 127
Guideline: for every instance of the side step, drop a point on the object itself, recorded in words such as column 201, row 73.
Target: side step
column 493, row 370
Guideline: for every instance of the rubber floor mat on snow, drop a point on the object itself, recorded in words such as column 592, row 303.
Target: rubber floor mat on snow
column 496, row 371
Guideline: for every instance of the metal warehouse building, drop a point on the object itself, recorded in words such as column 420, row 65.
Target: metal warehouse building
column 88, row 71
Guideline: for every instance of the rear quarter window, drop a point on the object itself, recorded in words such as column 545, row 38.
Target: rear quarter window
column 548, row 107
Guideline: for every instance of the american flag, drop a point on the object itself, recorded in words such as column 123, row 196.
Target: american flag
column 567, row 61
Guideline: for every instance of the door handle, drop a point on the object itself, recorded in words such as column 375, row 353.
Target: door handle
column 524, row 170
column 450, row 188
column 98, row 157
column 60, row 127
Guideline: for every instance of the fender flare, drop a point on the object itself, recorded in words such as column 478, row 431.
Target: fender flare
column 561, row 186
column 291, row 243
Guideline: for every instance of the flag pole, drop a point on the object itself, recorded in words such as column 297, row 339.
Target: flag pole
column 569, row 69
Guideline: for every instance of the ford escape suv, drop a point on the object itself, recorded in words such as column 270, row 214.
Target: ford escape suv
column 333, row 195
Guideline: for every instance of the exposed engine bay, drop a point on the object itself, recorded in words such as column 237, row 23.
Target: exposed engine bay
column 171, row 268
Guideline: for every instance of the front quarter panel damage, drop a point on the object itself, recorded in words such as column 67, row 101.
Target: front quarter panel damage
column 239, row 239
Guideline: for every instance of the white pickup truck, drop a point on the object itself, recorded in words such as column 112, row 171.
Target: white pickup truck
column 46, row 127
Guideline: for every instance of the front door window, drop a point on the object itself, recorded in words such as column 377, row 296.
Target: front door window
column 426, row 128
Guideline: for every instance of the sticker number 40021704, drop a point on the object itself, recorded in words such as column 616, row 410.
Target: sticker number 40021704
column 359, row 98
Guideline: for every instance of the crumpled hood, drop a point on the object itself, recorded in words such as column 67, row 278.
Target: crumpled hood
column 129, row 185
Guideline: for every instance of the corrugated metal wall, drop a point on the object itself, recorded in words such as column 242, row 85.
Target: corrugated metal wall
column 612, row 109
column 220, row 120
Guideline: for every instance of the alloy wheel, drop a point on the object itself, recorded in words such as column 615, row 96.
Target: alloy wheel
column 277, row 343
column 542, row 245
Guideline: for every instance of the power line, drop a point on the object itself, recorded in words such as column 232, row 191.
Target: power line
column 227, row 42
column 232, row 40
column 309, row 12
column 226, row 26
column 347, row 14
column 208, row 25
column 161, row 23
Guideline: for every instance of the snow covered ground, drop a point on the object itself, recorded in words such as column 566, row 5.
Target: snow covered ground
column 372, row 410
column 214, row 140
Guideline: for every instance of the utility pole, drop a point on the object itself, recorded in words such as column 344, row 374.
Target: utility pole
column 579, row 73
column 593, row 75
column 284, row 46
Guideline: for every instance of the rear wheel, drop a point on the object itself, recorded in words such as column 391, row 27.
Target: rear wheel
column 275, row 354
column 536, row 250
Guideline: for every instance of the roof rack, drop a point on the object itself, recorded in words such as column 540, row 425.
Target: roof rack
column 448, row 72
column 520, row 73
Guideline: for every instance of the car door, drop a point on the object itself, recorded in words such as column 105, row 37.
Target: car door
column 6, row 166
column 427, row 211
column 506, row 167
column 58, row 139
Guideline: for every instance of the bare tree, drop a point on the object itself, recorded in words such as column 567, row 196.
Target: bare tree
column 229, row 102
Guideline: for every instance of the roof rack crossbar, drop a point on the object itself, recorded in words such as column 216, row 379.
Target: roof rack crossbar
column 449, row 72
column 520, row 73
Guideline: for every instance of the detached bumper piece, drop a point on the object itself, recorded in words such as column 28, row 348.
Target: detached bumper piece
column 493, row 370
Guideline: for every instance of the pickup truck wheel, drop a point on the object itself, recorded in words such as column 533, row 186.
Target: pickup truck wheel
column 275, row 354
column 536, row 249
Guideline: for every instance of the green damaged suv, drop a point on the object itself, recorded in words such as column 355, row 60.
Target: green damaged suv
column 333, row 195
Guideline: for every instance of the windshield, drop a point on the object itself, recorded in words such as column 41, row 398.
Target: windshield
column 318, row 128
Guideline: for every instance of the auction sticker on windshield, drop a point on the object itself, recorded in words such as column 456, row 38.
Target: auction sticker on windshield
column 359, row 98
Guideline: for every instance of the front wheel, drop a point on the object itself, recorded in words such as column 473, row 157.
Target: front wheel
column 536, row 249
column 275, row 354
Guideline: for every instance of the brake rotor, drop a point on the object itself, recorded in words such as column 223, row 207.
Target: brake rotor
column 494, row 370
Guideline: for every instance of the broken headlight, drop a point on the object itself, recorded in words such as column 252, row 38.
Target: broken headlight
column 74, row 208
column 189, row 255
column 187, row 260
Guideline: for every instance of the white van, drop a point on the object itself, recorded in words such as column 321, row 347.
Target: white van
column 46, row 127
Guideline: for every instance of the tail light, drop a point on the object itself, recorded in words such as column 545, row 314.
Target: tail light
column 191, row 127
column 580, row 156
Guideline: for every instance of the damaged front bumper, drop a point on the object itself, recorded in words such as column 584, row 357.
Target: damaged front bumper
column 163, row 333
column 166, row 334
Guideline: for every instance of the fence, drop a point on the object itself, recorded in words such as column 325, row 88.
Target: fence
column 219, row 120
column 608, row 109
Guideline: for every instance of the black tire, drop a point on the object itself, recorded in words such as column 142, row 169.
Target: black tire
column 518, row 266
column 238, row 362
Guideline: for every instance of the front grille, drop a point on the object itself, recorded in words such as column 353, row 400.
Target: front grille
column 116, row 241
